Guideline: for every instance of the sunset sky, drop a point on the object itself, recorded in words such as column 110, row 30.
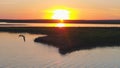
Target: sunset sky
column 43, row 9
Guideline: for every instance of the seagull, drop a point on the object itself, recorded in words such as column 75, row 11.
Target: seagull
column 22, row 37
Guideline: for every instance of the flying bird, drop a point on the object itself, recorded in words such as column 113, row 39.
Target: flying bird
column 22, row 37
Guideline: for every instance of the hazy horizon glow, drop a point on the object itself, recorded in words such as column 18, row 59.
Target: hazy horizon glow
column 43, row 9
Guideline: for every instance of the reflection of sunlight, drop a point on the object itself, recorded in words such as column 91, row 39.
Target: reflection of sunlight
column 49, row 25
column 70, row 25
column 60, row 25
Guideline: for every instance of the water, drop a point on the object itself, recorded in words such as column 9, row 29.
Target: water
column 55, row 25
column 15, row 53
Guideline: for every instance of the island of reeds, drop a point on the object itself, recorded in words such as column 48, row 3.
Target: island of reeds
column 68, row 40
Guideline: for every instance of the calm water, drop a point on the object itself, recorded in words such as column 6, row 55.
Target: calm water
column 15, row 53
column 55, row 25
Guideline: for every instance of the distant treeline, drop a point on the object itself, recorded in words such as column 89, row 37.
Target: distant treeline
column 57, row 21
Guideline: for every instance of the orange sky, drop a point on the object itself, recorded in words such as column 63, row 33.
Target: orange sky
column 43, row 9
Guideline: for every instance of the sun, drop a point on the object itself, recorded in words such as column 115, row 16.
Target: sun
column 60, row 25
column 61, row 14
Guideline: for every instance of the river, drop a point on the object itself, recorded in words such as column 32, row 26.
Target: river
column 15, row 53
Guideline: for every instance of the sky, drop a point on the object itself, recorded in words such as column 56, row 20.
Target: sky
column 42, row 9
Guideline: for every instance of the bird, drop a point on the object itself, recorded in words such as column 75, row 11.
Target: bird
column 22, row 37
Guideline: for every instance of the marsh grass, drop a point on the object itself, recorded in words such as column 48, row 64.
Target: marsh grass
column 72, row 39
